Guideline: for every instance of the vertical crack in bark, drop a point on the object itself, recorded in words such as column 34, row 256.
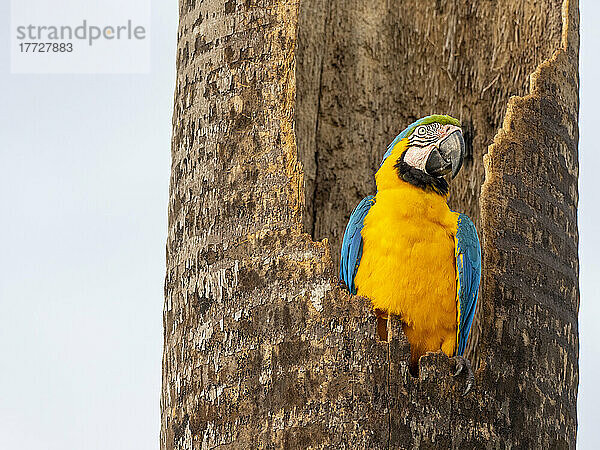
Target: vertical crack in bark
column 450, row 418
column 389, row 377
column 314, row 192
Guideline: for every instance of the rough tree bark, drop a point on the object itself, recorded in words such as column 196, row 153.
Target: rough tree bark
column 262, row 349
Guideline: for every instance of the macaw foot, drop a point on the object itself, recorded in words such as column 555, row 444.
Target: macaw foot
column 463, row 365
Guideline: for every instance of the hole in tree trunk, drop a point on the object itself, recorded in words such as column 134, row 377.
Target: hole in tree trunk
column 366, row 70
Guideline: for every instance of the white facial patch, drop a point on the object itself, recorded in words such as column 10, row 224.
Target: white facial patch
column 417, row 156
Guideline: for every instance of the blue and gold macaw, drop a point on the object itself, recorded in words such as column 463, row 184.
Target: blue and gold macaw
column 407, row 252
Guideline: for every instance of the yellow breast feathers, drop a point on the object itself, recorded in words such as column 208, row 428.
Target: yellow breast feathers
column 408, row 262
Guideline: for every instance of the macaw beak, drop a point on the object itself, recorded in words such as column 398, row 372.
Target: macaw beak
column 453, row 149
column 448, row 157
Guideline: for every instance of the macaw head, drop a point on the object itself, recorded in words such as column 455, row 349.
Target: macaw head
column 423, row 154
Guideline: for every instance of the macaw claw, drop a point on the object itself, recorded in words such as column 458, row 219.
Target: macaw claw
column 463, row 365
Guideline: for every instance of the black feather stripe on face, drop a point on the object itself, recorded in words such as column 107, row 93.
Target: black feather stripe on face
column 419, row 178
column 424, row 135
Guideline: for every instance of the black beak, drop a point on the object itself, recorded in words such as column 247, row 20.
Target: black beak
column 436, row 165
column 453, row 149
column 448, row 158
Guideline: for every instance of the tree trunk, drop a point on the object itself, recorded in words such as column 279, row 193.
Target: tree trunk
column 283, row 111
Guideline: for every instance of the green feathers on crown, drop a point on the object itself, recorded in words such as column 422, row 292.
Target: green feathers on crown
column 440, row 118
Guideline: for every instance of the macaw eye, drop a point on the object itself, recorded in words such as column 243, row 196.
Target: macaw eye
column 421, row 131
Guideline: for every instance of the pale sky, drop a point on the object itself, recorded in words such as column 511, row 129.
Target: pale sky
column 84, row 179
column 84, row 174
column 589, row 229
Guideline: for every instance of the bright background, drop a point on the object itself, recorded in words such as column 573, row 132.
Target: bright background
column 589, row 229
column 84, row 173
column 84, row 179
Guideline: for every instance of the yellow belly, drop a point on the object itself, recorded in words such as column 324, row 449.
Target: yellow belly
column 408, row 266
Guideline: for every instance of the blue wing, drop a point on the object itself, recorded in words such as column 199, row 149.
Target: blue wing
column 468, row 268
column 353, row 243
